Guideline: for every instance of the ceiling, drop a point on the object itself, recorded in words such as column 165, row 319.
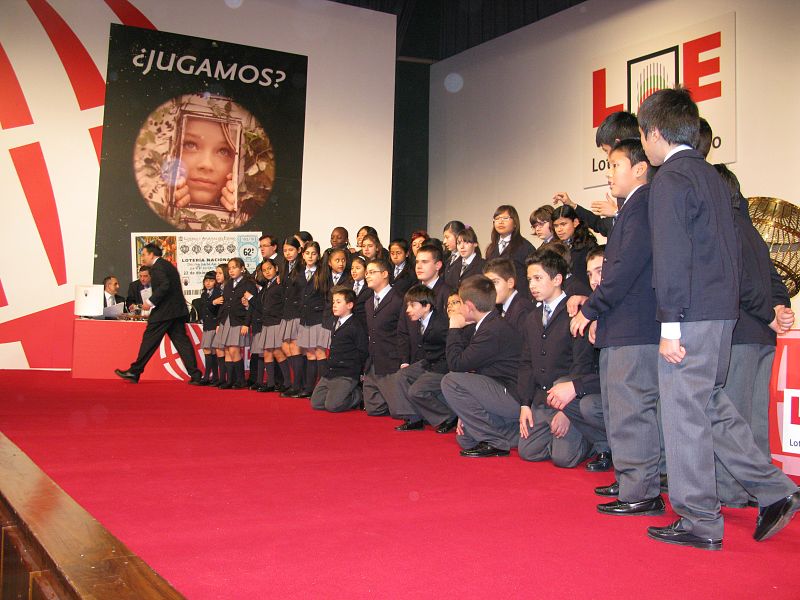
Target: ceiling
column 431, row 30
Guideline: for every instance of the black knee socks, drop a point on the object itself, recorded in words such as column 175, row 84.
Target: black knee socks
column 311, row 376
column 283, row 365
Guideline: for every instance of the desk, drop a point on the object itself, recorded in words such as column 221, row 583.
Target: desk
column 785, row 375
column 99, row 347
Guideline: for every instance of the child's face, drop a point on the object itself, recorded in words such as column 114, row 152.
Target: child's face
column 565, row 228
column 368, row 249
column 417, row 244
column 594, row 269
column 338, row 238
column 360, row 236
column 466, row 249
column 340, row 307
column 269, row 271
column 220, row 275
column 234, row 270
column 337, row 262
column 542, row 230
column 655, row 147
column 449, row 240
column 543, row 287
column 503, row 287
column 357, row 271
column 290, row 252
column 622, row 176
column 310, row 256
column 416, row 311
column 209, row 283
column 376, row 279
column 397, row 255
column 503, row 224
column 453, row 303
column 425, row 267
column 208, row 159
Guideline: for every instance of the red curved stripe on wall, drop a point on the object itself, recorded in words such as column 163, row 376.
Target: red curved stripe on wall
column 97, row 139
column 3, row 299
column 129, row 14
column 35, row 179
column 14, row 110
column 87, row 83
column 46, row 336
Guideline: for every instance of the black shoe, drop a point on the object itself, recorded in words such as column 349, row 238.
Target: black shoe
column 776, row 516
column 225, row 386
column 127, row 375
column 447, row 426
column 663, row 482
column 254, row 386
column 266, row 388
column 602, row 462
column 360, row 405
column 653, row 506
column 303, row 394
column 196, row 381
column 484, row 450
column 204, row 382
column 239, row 385
column 291, row 393
column 673, row 534
column 612, row 491
column 411, row 426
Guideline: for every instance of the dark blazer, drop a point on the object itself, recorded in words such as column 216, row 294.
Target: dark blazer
column 441, row 291
column 428, row 347
column 328, row 320
column 293, row 284
column 550, row 353
column 453, row 275
column 447, row 267
column 280, row 263
column 518, row 253
column 577, row 263
column 349, row 350
column 695, row 250
column 574, row 286
column 624, row 304
column 359, row 308
column 134, row 295
column 118, row 299
column 493, row 351
column 602, row 225
column 232, row 302
column 517, row 311
column 207, row 311
column 382, row 330
column 312, row 303
column 167, row 295
column 267, row 306
column 405, row 279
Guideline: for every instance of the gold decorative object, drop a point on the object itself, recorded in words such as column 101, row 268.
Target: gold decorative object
column 778, row 222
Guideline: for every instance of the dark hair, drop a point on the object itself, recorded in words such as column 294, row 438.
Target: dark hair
column 516, row 236
column 108, row 278
column 433, row 249
column 379, row 250
column 504, row 267
column 468, row 235
column 153, row 249
column 402, row 242
column 454, row 227
column 543, row 213
column 144, row 268
column 559, row 248
column 322, row 278
column 210, row 275
column 704, row 138
column 419, row 233
column 673, row 112
column 479, row 290
column 732, row 182
column 368, row 229
column 420, row 293
column 268, row 261
column 616, row 126
column 359, row 259
column 551, row 262
column 348, row 293
column 599, row 250
column 582, row 238
column 292, row 241
column 344, row 229
column 382, row 264
column 224, row 268
column 633, row 150
column 269, row 237
column 305, row 236
column 285, row 272
column 237, row 260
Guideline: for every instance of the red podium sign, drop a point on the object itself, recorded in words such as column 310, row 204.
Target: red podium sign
column 785, row 376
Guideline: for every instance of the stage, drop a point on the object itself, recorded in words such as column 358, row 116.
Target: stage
column 234, row 494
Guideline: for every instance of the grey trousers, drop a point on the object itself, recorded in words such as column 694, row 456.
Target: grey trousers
column 336, row 394
column 748, row 388
column 421, row 391
column 379, row 392
column 489, row 413
column 541, row 444
column 629, row 387
column 701, row 423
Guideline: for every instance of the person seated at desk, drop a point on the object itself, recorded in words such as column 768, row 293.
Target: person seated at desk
column 134, row 297
column 110, row 289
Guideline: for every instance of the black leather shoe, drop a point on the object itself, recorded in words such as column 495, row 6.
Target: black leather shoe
column 673, row 534
column 484, row 450
column 266, row 388
column 239, row 385
column 291, row 393
column 447, row 426
column 410, row 426
column 776, row 516
column 225, row 386
column 602, row 462
column 204, row 382
column 611, row 491
column 653, row 506
column 254, row 386
column 127, row 375
column 197, row 381
column 663, row 482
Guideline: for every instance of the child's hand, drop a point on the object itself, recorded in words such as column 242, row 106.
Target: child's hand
column 561, row 394
column 605, row 208
column 574, row 304
column 525, row 421
column 182, row 197
column 457, row 320
column 228, row 198
column 563, row 198
column 671, row 350
column 559, row 426
column 243, row 330
column 245, row 301
column 578, row 324
column 218, row 300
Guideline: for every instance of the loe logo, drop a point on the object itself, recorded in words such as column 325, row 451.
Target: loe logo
column 700, row 57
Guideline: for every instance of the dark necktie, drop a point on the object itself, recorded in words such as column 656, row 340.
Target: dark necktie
column 464, row 266
column 546, row 314
column 377, row 302
column 421, row 328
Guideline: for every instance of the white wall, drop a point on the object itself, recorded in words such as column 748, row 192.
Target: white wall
column 348, row 137
column 512, row 134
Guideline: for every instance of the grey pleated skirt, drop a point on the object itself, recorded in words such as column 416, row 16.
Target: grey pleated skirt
column 268, row 338
column 231, row 336
column 314, row 336
column 207, row 342
column 290, row 329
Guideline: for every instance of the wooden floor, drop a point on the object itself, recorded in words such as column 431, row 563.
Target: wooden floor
column 52, row 548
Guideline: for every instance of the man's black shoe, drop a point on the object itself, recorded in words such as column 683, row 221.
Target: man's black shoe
column 447, row 426
column 128, row 375
column 608, row 490
column 411, row 426
column 602, row 462
column 776, row 516
column 653, row 506
column 484, row 450
column 673, row 534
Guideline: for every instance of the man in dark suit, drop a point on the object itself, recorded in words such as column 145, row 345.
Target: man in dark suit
column 110, row 289
column 134, row 296
column 382, row 314
column 268, row 247
column 481, row 387
column 168, row 316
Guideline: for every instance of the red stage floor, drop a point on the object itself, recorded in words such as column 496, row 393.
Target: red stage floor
column 245, row 495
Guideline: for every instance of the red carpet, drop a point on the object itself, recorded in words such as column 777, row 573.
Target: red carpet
column 245, row 495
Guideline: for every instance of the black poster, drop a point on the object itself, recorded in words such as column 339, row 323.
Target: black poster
column 198, row 135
